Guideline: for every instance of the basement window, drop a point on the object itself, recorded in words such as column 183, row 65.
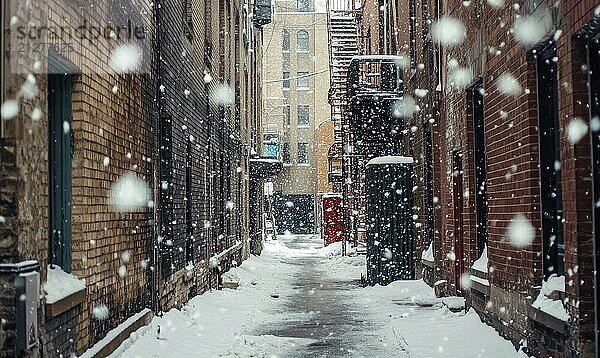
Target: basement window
column 550, row 176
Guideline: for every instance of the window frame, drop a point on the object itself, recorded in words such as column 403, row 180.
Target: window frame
column 286, row 154
column 285, row 41
column 304, row 108
column 302, row 41
column 286, row 80
column 303, row 153
column 303, row 5
column 552, row 250
column 305, row 78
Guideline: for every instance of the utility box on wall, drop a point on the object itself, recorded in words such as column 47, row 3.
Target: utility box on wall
column 27, row 294
column 23, row 280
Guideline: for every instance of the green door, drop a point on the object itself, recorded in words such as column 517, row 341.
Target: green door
column 60, row 154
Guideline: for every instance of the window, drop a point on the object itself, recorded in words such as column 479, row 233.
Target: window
column 287, row 114
column 188, row 23
column 550, row 177
column 302, row 153
column 60, row 155
column 285, row 46
column 303, row 116
column 189, row 239
column 475, row 95
column 303, row 80
column 302, row 38
column 303, row 5
column 286, row 80
column 286, row 153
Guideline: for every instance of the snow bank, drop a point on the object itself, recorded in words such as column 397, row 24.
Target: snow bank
column 214, row 323
column 544, row 303
column 61, row 284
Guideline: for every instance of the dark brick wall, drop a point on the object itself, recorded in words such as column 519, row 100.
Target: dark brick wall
column 61, row 334
column 511, row 144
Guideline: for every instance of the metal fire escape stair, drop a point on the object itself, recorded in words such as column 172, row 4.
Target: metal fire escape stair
column 343, row 47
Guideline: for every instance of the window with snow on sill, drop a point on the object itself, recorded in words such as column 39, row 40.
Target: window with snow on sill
column 427, row 255
column 60, row 284
column 481, row 265
column 546, row 300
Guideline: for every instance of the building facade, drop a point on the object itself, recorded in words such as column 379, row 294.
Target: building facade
column 505, row 142
column 296, row 72
column 173, row 135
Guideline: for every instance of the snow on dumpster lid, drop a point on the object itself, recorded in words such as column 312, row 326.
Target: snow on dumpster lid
column 390, row 159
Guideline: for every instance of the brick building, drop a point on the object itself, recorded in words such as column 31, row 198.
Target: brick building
column 493, row 154
column 182, row 125
column 295, row 93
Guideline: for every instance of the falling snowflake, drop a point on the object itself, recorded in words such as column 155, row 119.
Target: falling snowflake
column 461, row 77
column 223, row 95
column 36, row 114
column 101, row 312
column 496, row 3
column 507, row 84
column 9, row 109
column 576, row 130
column 125, row 58
column 122, row 271
column 129, row 193
column 404, row 107
column 29, row 88
column 449, row 31
column 529, row 30
column 520, row 232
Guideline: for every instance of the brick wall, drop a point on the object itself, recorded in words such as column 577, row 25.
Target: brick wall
column 124, row 125
column 512, row 164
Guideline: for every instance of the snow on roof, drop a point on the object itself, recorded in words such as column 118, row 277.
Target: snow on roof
column 61, row 284
column 390, row 159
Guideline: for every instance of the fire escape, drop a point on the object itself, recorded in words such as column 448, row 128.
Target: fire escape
column 343, row 46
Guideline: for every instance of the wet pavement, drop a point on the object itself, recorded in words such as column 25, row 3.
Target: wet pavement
column 323, row 312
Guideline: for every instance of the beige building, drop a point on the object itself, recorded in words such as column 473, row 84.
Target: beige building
column 296, row 81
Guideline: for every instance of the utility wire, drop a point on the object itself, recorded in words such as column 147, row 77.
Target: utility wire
column 296, row 77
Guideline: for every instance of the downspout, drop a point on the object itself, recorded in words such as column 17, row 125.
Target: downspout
column 155, row 303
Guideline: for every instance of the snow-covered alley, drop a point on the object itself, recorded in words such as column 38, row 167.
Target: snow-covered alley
column 299, row 299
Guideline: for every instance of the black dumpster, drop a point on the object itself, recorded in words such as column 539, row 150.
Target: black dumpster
column 390, row 248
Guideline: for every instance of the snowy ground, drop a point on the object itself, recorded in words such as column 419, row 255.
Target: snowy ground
column 301, row 300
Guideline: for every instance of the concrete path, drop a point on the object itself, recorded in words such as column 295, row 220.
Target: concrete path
column 325, row 313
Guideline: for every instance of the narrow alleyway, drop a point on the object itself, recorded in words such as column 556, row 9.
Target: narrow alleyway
column 327, row 313
column 299, row 299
